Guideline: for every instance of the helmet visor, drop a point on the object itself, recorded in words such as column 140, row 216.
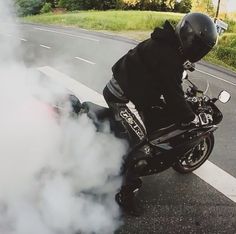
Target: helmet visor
column 197, row 50
column 194, row 48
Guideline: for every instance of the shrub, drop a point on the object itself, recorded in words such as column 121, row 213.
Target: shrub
column 87, row 4
column 29, row 7
column 47, row 7
column 232, row 25
column 70, row 5
column 154, row 5
column 225, row 51
column 228, row 40
column 105, row 4
column 184, row 6
column 227, row 55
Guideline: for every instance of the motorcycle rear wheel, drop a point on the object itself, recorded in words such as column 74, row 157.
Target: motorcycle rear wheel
column 196, row 157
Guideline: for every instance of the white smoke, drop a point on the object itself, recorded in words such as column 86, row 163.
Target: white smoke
column 58, row 175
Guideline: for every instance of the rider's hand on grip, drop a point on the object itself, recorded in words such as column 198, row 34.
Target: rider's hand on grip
column 200, row 120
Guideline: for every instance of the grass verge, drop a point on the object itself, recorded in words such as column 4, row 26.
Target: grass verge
column 107, row 20
column 224, row 54
column 136, row 25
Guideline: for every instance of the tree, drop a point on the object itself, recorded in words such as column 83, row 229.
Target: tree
column 183, row 6
column 87, row 4
column 104, row 5
column 205, row 6
column 47, row 7
column 170, row 4
column 52, row 2
column 153, row 5
column 29, row 7
column 131, row 4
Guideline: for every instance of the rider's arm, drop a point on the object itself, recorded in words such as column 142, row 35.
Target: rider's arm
column 174, row 96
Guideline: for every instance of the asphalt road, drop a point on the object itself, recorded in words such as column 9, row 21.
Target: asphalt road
column 173, row 203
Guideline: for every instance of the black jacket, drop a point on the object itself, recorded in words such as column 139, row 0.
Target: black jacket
column 154, row 68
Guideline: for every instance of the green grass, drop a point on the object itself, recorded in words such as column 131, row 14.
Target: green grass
column 107, row 20
column 138, row 25
column 232, row 25
column 224, row 53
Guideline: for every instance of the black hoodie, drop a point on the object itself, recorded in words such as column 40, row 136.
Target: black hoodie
column 154, row 68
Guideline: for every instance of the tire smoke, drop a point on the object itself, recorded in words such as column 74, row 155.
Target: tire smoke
column 58, row 175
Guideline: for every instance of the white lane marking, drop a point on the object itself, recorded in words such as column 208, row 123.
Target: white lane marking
column 87, row 61
column 67, row 34
column 209, row 172
column 80, row 90
column 216, row 77
column 46, row 47
column 6, row 34
column 11, row 35
column 218, row 178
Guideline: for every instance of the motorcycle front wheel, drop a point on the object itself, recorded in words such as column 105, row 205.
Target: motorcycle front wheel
column 196, row 157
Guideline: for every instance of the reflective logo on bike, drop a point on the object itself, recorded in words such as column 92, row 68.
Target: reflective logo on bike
column 130, row 120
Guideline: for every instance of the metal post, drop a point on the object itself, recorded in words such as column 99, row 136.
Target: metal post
column 217, row 11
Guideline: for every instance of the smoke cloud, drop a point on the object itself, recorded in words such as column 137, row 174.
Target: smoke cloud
column 58, row 175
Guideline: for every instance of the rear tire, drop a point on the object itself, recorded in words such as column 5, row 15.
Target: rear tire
column 75, row 103
column 196, row 157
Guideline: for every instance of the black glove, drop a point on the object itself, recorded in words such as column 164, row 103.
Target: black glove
column 200, row 120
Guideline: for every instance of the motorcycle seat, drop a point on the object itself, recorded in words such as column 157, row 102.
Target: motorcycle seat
column 95, row 111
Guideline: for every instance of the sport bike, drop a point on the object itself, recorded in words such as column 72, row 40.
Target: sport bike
column 183, row 148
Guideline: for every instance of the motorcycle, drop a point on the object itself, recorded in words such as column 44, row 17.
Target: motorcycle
column 183, row 149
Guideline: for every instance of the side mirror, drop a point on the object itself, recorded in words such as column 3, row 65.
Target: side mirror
column 224, row 96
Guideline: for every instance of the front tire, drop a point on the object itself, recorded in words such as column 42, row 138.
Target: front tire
column 198, row 155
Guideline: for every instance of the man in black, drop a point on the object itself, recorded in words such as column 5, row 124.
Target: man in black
column 154, row 69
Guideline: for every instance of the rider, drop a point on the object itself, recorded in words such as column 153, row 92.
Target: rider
column 147, row 74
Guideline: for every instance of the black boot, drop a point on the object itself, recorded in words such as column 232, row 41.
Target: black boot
column 127, row 199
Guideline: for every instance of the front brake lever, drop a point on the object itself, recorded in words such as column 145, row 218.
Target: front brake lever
column 189, row 66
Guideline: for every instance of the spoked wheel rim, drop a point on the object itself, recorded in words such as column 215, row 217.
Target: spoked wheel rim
column 197, row 156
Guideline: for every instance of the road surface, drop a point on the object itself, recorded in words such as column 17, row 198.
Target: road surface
column 204, row 202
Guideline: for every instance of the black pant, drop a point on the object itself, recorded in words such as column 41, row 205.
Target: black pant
column 130, row 129
column 133, row 130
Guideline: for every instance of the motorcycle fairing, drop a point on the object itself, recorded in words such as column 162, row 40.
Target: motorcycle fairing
column 171, row 150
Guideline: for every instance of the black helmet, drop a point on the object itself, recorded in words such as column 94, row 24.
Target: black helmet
column 197, row 35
